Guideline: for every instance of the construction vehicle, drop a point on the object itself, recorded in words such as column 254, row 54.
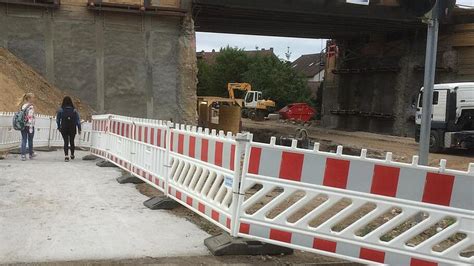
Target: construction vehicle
column 254, row 106
column 452, row 123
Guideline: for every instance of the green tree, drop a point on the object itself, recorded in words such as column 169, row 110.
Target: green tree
column 277, row 80
column 228, row 67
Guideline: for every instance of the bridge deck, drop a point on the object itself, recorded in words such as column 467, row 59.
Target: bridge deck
column 56, row 211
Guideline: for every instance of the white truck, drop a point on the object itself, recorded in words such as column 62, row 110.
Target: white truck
column 452, row 124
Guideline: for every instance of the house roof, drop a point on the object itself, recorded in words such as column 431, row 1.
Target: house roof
column 309, row 64
column 210, row 57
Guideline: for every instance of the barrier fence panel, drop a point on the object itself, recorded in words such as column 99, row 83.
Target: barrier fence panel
column 351, row 207
column 203, row 172
column 357, row 208
column 9, row 138
column 99, row 135
column 46, row 133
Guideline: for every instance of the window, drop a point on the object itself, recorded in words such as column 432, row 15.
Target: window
column 249, row 98
column 435, row 98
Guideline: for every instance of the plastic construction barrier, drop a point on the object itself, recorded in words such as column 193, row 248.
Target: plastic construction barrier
column 46, row 133
column 202, row 173
column 351, row 207
column 357, row 208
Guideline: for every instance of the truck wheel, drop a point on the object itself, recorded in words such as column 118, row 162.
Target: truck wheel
column 252, row 114
column 245, row 113
column 436, row 144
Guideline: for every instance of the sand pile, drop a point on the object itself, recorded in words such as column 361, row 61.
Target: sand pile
column 18, row 78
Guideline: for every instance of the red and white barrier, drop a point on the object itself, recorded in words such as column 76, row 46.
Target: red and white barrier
column 202, row 173
column 436, row 192
column 304, row 199
column 46, row 133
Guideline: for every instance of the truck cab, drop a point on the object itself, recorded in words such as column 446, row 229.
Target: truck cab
column 452, row 124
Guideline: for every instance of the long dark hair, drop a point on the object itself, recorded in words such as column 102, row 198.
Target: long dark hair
column 67, row 102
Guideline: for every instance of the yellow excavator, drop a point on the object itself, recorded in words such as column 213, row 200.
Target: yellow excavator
column 253, row 106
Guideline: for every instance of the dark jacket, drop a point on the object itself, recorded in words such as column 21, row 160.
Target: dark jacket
column 60, row 114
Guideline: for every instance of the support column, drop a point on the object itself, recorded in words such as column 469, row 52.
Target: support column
column 149, row 68
column 49, row 46
column 99, row 44
column 3, row 24
column 187, row 72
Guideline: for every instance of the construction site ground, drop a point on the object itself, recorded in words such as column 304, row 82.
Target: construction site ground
column 378, row 145
column 75, row 213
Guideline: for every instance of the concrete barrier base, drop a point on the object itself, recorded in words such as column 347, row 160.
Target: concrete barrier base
column 129, row 179
column 225, row 245
column 46, row 149
column 90, row 157
column 105, row 163
column 161, row 203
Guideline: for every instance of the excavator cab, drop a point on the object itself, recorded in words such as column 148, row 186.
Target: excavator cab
column 252, row 98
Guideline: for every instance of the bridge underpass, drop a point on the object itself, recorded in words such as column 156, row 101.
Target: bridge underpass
column 376, row 69
column 306, row 18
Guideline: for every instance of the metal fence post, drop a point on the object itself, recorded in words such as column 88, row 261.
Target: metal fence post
column 50, row 131
column 107, row 136
column 240, row 164
column 169, row 127
column 430, row 73
column 132, row 147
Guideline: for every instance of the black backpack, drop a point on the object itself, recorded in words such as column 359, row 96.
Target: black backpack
column 68, row 119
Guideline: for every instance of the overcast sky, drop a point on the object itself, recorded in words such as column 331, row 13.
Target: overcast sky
column 298, row 46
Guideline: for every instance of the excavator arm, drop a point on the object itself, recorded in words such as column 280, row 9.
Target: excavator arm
column 231, row 87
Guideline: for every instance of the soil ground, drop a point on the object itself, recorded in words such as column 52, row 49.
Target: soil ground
column 18, row 78
column 403, row 149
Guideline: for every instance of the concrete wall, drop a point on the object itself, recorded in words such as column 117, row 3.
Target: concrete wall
column 389, row 92
column 123, row 63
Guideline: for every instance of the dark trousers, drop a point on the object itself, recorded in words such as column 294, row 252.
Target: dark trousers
column 68, row 137
column 26, row 136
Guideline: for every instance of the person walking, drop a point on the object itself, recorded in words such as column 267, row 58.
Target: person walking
column 28, row 132
column 69, row 123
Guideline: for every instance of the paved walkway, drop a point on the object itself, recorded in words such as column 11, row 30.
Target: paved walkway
column 56, row 211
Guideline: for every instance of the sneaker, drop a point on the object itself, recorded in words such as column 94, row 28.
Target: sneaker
column 66, row 159
column 73, row 157
column 23, row 157
column 33, row 156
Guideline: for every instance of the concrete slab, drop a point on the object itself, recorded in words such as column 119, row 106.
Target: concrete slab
column 56, row 211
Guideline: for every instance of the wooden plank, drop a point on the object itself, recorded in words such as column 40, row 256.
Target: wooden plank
column 464, row 27
column 465, row 60
column 124, row 2
column 463, row 39
column 166, row 3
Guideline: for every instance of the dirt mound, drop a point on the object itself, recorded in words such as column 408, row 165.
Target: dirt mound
column 18, row 78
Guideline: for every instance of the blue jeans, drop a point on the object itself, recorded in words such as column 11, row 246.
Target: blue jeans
column 26, row 136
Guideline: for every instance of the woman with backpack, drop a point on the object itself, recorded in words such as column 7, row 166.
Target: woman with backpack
column 27, row 115
column 68, row 120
